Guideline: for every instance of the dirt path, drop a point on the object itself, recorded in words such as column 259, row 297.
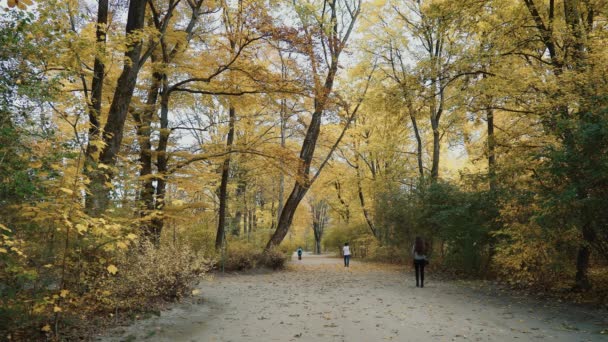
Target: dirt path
column 316, row 299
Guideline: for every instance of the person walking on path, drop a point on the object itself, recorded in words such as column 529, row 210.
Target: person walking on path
column 346, row 253
column 299, row 253
column 420, row 260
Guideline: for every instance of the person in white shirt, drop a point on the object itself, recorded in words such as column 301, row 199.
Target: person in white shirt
column 346, row 253
column 420, row 260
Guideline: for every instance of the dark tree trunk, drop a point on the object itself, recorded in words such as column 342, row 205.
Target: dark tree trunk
column 317, row 240
column 162, row 160
column 282, row 176
column 273, row 212
column 582, row 267
column 346, row 214
column 306, row 154
column 251, row 223
column 143, row 123
column 322, row 92
column 436, row 150
column 418, row 141
column 94, row 106
column 221, row 229
column 245, row 217
column 366, row 214
column 97, row 199
column 302, row 184
column 319, row 220
column 491, row 151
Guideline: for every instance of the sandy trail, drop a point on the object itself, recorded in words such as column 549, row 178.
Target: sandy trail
column 317, row 299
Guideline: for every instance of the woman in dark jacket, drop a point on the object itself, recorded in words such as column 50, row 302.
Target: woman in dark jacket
column 420, row 260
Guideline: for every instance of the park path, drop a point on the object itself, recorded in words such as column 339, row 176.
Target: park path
column 317, row 299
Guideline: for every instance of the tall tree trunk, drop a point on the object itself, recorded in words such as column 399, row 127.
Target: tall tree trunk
column 322, row 92
column 282, row 176
column 582, row 267
column 418, row 141
column 97, row 199
column 302, row 185
column 491, row 150
column 251, row 223
column 94, row 106
column 366, row 214
column 254, row 221
column 162, row 160
column 245, row 215
column 317, row 238
column 221, row 230
column 143, row 123
column 436, row 148
column 273, row 212
column 346, row 214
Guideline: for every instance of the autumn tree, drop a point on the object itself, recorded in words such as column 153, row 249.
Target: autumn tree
column 324, row 34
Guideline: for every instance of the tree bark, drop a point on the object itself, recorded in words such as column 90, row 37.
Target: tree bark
column 143, row 125
column 582, row 267
column 491, row 150
column 306, row 154
column 282, row 176
column 436, row 145
column 97, row 199
column 335, row 44
column 366, row 214
column 219, row 237
column 418, row 143
column 346, row 214
column 162, row 160
column 94, row 105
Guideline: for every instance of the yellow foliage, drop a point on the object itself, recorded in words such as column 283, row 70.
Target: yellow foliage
column 112, row 269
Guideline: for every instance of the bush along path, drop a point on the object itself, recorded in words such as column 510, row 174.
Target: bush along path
column 317, row 299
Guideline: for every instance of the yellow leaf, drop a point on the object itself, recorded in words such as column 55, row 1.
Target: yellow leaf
column 5, row 228
column 178, row 203
column 122, row 245
column 48, row 266
column 64, row 293
column 56, row 309
column 3, row 250
column 195, row 292
column 46, row 328
column 67, row 191
column 36, row 164
column 81, row 228
column 131, row 236
column 112, row 269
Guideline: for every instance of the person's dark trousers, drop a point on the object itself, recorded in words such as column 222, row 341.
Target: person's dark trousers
column 299, row 256
column 419, row 266
column 346, row 260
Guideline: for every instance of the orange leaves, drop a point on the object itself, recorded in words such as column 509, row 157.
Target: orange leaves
column 21, row 4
